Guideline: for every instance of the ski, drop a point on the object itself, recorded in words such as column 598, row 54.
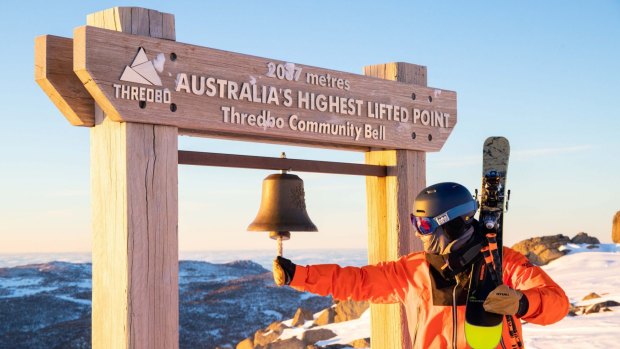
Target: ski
column 482, row 329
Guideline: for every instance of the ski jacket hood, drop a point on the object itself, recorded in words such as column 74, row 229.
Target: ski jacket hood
column 408, row 281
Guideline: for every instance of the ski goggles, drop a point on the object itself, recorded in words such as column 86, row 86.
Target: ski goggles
column 428, row 225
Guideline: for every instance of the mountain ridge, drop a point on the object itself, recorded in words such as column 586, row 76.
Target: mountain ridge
column 47, row 305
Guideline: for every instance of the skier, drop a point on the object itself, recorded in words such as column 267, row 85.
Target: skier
column 432, row 285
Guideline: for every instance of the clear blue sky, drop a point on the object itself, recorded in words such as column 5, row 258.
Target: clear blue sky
column 545, row 74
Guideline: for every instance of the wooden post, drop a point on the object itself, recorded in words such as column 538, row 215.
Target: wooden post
column 390, row 200
column 135, row 214
column 615, row 228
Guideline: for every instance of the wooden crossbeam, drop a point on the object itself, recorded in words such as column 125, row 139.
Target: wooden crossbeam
column 269, row 163
column 53, row 71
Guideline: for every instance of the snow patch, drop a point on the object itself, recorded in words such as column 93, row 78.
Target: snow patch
column 75, row 300
column 579, row 273
column 580, row 248
column 346, row 332
column 273, row 313
column 597, row 331
column 19, row 282
column 25, row 292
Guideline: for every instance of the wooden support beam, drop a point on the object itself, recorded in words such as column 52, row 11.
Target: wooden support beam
column 268, row 163
column 390, row 199
column 135, row 216
column 53, row 71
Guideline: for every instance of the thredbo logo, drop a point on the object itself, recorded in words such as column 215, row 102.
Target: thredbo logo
column 145, row 72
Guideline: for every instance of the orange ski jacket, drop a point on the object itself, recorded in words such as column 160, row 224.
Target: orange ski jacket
column 408, row 281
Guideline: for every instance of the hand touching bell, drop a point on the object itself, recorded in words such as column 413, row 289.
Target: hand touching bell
column 283, row 271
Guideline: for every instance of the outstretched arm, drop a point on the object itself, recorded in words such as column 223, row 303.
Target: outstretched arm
column 382, row 283
column 547, row 301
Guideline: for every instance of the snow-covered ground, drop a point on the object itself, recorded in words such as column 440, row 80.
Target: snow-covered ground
column 581, row 272
column 346, row 332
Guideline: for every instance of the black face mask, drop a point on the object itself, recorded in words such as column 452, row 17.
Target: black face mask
column 447, row 237
column 454, row 228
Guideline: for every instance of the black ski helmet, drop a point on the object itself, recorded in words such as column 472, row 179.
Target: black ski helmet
column 440, row 198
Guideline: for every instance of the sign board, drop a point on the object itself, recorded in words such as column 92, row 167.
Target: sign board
column 204, row 91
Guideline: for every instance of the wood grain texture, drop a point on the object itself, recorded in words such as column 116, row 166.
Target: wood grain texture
column 267, row 163
column 110, row 265
column 54, row 58
column 136, row 21
column 101, row 56
column 615, row 228
column 152, row 225
column 389, row 202
column 135, row 258
column 53, row 71
column 135, row 217
column 399, row 71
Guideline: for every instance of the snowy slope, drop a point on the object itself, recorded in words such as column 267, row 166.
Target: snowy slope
column 580, row 272
column 346, row 332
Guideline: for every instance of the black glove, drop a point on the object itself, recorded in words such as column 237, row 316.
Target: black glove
column 283, row 271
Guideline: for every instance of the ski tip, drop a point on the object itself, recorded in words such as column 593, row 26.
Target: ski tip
column 483, row 337
column 495, row 139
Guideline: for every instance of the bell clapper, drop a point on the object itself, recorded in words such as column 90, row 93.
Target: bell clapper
column 280, row 236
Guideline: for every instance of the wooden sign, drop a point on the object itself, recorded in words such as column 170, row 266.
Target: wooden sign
column 54, row 73
column 204, row 91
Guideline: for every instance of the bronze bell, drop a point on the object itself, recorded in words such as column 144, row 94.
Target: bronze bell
column 282, row 208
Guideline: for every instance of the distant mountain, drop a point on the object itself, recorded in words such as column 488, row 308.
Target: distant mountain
column 49, row 305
